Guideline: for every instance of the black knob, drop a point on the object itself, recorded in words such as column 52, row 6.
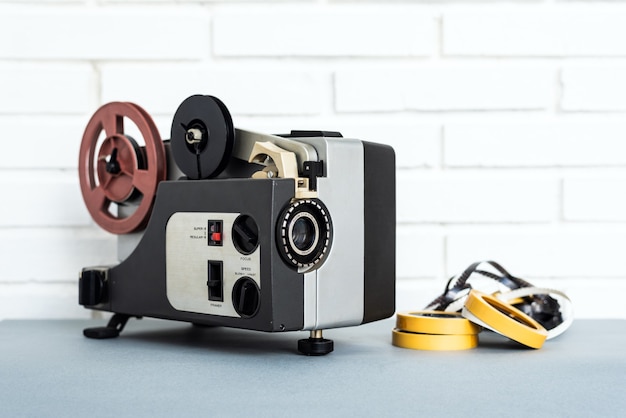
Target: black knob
column 245, row 234
column 246, row 297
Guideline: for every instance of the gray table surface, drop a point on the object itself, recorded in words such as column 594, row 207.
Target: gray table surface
column 165, row 368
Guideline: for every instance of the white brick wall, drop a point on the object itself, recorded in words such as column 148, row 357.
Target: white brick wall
column 340, row 31
column 244, row 88
column 30, row 88
column 594, row 88
column 508, row 120
column 444, row 88
column 91, row 33
column 578, row 31
column 536, row 145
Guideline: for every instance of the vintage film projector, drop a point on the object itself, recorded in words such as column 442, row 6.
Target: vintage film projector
column 220, row 226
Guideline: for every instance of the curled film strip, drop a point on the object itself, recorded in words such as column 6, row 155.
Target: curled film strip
column 551, row 309
column 522, row 312
column 517, row 297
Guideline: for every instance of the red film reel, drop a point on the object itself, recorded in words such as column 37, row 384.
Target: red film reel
column 122, row 170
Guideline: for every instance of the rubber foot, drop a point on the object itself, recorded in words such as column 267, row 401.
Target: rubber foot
column 198, row 325
column 315, row 346
column 112, row 330
column 101, row 333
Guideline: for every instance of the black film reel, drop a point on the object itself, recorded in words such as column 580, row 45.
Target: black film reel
column 202, row 136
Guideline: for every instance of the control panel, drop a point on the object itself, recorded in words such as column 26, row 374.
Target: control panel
column 213, row 263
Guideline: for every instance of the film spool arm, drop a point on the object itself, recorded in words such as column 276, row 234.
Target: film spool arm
column 245, row 140
column 282, row 163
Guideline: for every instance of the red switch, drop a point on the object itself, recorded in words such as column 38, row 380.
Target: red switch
column 215, row 232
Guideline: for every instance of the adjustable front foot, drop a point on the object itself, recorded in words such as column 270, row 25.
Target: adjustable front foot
column 315, row 345
column 114, row 327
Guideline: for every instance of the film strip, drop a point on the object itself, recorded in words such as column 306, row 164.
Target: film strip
column 521, row 312
column 518, row 298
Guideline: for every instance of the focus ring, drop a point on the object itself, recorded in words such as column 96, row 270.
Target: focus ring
column 296, row 246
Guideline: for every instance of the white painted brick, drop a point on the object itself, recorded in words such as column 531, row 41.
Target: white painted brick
column 41, row 301
column 48, row 2
column 41, row 198
column 53, row 254
column 535, row 145
column 415, row 295
column 328, row 32
column 144, row 2
column 147, row 2
column 419, row 253
column 50, row 88
column 244, row 91
column 475, row 197
column 594, row 199
column 105, row 33
column 444, row 88
column 540, row 253
column 594, row 88
column 535, row 32
column 56, row 141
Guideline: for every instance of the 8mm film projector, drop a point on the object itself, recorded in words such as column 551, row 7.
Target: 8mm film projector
column 219, row 226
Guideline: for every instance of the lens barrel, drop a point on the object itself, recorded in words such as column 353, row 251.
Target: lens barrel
column 304, row 234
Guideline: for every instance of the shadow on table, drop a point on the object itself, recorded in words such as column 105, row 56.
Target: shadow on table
column 231, row 340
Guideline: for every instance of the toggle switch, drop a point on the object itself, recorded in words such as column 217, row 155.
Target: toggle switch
column 215, row 233
column 215, row 280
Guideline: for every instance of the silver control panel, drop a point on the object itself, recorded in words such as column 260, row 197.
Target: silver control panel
column 207, row 271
